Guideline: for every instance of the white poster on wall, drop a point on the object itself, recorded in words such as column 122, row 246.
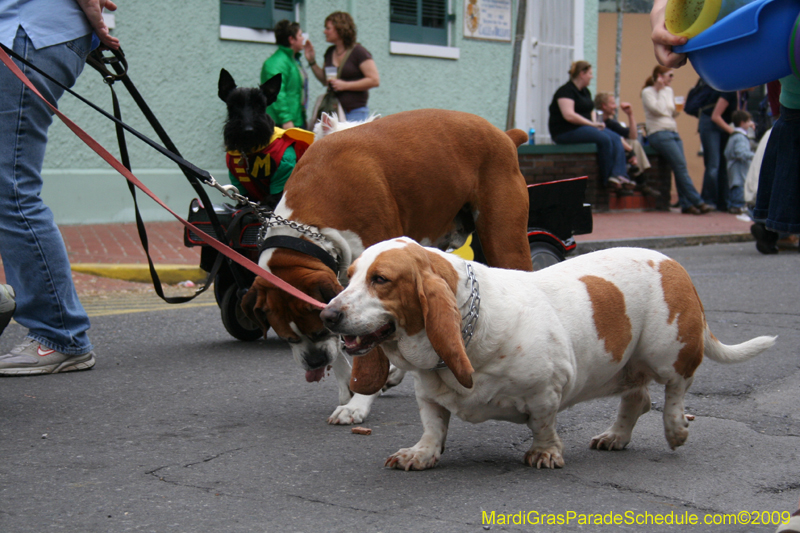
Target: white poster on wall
column 487, row 19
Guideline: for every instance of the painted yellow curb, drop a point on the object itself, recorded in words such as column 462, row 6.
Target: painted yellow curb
column 169, row 274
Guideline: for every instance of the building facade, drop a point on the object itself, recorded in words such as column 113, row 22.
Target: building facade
column 449, row 54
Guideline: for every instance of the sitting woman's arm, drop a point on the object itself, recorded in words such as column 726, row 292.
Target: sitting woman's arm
column 567, row 108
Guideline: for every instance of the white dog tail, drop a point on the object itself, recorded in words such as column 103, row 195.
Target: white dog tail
column 722, row 353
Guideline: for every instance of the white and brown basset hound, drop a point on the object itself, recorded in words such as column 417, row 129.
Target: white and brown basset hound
column 431, row 174
column 601, row 324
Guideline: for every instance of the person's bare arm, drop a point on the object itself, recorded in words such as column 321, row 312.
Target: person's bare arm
column 93, row 9
column 663, row 40
column 628, row 110
column 311, row 57
column 567, row 107
column 370, row 80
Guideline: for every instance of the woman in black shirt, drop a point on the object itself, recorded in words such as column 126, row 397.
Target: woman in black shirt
column 572, row 121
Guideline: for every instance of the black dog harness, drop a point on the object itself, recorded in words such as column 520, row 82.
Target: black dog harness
column 303, row 246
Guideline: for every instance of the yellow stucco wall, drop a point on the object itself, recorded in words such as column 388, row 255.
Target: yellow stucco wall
column 637, row 63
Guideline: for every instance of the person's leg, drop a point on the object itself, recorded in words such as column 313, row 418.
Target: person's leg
column 669, row 145
column 784, row 204
column 722, row 177
column 33, row 251
column 619, row 165
column 589, row 134
column 641, row 157
column 766, row 240
column 736, row 192
column 710, row 138
column 358, row 114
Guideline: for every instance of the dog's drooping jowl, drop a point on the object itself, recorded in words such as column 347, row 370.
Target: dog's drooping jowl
column 602, row 324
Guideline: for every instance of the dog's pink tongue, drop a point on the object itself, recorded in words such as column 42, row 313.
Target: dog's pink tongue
column 315, row 375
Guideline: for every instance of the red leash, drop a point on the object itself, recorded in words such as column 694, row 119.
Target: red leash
column 119, row 167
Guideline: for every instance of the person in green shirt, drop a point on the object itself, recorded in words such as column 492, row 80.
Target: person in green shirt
column 289, row 110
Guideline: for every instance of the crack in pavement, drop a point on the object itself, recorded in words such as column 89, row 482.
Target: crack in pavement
column 382, row 513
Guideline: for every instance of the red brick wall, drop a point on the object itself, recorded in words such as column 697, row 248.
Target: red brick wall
column 554, row 162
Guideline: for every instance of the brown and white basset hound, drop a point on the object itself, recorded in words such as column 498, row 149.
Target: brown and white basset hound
column 432, row 174
column 601, row 324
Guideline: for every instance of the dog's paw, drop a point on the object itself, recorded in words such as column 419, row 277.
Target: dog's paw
column 609, row 440
column 677, row 432
column 347, row 414
column 416, row 458
column 547, row 457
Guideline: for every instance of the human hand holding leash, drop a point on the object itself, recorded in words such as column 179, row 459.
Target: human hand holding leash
column 94, row 13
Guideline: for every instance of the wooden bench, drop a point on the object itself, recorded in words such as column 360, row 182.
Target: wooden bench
column 540, row 163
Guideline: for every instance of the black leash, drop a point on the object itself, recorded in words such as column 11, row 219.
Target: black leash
column 194, row 174
column 98, row 61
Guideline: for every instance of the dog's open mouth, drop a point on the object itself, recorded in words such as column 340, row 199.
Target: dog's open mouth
column 361, row 344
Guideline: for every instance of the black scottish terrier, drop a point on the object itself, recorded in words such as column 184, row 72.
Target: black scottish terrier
column 248, row 127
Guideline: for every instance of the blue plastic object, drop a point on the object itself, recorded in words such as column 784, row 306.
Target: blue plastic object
column 747, row 48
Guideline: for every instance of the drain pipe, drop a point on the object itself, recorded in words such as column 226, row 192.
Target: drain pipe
column 518, row 38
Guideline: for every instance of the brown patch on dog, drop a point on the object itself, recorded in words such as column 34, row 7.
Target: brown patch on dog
column 685, row 306
column 610, row 319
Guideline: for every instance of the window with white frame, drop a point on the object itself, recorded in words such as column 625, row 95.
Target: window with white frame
column 253, row 20
column 421, row 27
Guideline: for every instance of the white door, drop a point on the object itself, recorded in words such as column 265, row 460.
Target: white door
column 553, row 34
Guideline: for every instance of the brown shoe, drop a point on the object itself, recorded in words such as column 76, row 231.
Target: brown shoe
column 691, row 210
column 704, row 208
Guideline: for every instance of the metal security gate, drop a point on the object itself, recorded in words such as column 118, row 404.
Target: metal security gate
column 553, row 33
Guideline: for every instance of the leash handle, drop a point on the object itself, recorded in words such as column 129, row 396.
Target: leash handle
column 119, row 167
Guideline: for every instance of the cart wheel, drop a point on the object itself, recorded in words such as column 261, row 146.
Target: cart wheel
column 544, row 255
column 234, row 319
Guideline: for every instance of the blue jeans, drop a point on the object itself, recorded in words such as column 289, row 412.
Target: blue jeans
column 668, row 144
column 357, row 114
column 778, row 200
column 610, row 153
column 33, row 251
column 715, row 178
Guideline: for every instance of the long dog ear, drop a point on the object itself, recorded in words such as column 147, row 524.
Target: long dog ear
column 253, row 304
column 443, row 326
column 225, row 85
column 370, row 372
column 271, row 88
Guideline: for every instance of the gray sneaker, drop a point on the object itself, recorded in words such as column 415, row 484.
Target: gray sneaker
column 31, row 357
column 7, row 305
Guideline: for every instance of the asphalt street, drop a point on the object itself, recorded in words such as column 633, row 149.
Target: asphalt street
column 179, row 427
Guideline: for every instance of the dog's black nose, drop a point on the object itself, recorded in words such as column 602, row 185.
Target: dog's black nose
column 330, row 316
column 316, row 359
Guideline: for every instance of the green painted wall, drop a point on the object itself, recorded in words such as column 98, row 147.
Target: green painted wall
column 175, row 54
